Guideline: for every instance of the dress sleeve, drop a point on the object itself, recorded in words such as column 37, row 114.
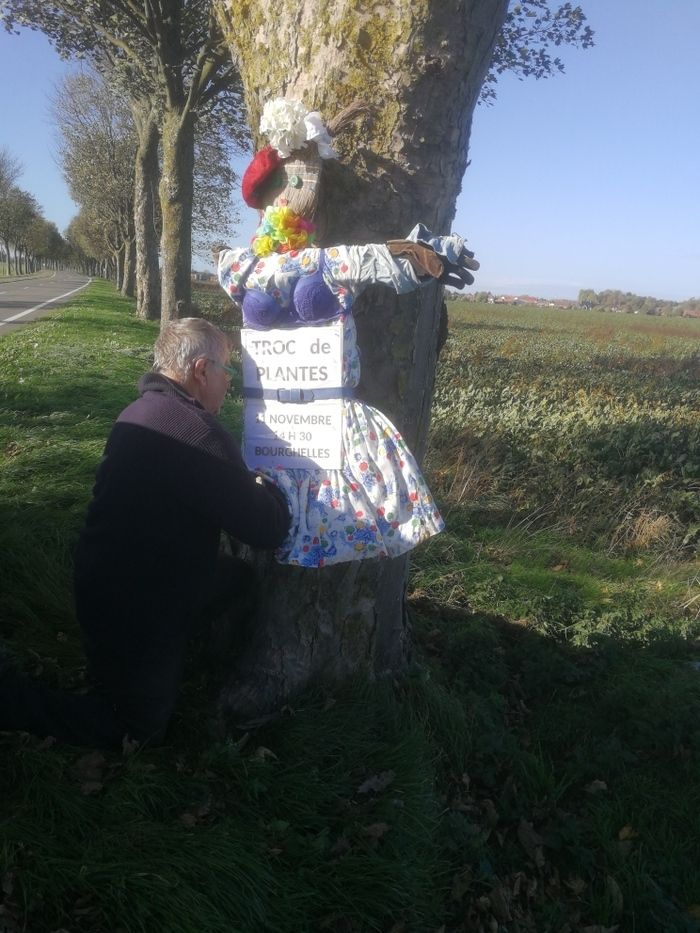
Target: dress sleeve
column 350, row 269
column 232, row 266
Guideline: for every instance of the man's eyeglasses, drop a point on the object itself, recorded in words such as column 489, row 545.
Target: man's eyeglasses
column 229, row 370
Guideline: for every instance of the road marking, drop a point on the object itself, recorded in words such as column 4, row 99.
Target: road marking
column 16, row 317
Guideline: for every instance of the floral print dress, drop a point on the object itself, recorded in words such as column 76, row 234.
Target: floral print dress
column 377, row 504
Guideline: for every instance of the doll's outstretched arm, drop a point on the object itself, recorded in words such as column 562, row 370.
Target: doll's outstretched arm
column 403, row 265
column 445, row 258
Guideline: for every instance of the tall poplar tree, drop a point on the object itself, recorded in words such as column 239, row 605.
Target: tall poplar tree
column 419, row 68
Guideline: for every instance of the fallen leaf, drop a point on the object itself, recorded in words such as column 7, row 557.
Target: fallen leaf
column 129, row 746
column 531, row 841
column 624, row 847
column 615, row 895
column 340, row 847
column 376, row 783
column 596, row 787
column 461, row 883
column 8, row 924
column 263, row 753
column 89, row 767
column 627, row 832
column 8, row 883
column 376, row 830
column 576, row 885
column 490, row 812
column 500, row 904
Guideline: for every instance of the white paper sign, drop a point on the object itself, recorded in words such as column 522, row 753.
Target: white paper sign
column 291, row 364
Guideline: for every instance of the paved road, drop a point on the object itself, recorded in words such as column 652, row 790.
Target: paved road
column 27, row 299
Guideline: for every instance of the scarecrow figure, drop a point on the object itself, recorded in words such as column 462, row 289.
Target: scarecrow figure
column 377, row 504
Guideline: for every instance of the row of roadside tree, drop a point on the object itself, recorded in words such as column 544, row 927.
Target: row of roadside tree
column 27, row 240
column 160, row 97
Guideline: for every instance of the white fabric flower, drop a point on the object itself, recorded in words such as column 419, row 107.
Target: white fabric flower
column 316, row 131
column 288, row 126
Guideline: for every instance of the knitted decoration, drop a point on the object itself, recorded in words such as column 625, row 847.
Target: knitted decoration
column 282, row 230
column 259, row 175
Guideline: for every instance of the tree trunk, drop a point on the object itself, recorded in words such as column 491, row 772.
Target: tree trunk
column 176, row 187
column 145, row 194
column 117, row 261
column 129, row 275
column 420, row 69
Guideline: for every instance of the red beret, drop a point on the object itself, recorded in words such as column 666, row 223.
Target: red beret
column 264, row 165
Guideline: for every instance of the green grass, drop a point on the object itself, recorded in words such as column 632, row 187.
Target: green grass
column 537, row 769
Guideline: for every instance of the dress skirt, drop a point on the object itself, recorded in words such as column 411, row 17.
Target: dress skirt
column 376, row 505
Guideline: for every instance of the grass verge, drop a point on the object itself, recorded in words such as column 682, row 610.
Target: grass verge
column 536, row 771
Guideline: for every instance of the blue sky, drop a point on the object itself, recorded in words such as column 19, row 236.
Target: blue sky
column 588, row 180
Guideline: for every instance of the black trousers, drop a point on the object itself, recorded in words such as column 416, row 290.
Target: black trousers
column 138, row 672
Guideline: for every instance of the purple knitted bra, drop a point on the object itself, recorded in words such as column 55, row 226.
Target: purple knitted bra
column 311, row 301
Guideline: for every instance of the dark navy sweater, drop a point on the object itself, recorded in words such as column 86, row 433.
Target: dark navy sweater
column 170, row 480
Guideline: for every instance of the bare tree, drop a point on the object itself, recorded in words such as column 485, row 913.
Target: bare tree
column 18, row 209
column 88, row 248
column 10, row 171
column 97, row 147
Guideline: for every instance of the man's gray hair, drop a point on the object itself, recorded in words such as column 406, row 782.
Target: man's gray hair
column 182, row 342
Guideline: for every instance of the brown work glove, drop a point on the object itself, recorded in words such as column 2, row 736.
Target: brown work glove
column 423, row 259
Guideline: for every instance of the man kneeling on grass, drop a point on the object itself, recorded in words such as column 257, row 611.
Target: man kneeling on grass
column 146, row 563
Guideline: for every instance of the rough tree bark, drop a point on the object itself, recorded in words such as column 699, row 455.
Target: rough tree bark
column 146, row 179
column 129, row 276
column 419, row 65
column 118, row 267
column 176, row 190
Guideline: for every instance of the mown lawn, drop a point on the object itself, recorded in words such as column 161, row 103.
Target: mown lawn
column 538, row 767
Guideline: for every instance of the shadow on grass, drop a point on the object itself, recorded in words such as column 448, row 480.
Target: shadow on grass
column 596, row 749
column 507, row 777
